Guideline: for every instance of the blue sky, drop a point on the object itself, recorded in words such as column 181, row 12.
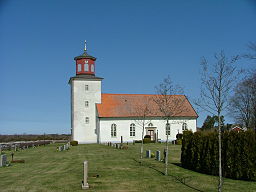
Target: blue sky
column 137, row 43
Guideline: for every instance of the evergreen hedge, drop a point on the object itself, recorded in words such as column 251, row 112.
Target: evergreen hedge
column 200, row 153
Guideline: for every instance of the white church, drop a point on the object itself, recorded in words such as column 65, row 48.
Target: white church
column 98, row 117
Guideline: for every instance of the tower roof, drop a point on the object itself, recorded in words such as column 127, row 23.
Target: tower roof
column 85, row 55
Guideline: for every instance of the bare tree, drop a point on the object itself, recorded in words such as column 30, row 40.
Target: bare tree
column 252, row 48
column 217, row 82
column 170, row 105
column 142, row 111
column 243, row 101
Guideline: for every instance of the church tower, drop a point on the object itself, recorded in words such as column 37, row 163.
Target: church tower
column 85, row 94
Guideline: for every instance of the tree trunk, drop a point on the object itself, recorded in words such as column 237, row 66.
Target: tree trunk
column 220, row 169
column 166, row 150
column 141, row 147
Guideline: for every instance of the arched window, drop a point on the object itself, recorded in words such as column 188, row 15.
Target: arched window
column 92, row 68
column 86, row 67
column 168, row 129
column 79, row 67
column 132, row 130
column 184, row 127
column 150, row 124
column 113, row 130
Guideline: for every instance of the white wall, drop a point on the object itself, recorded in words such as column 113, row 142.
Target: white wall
column 82, row 132
column 123, row 128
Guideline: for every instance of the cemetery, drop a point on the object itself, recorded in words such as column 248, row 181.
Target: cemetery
column 109, row 167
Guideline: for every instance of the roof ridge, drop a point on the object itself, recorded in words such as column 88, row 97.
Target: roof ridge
column 135, row 94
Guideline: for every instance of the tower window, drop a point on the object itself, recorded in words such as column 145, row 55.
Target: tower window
column 92, row 68
column 86, row 67
column 79, row 68
column 86, row 120
column 184, row 127
column 168, row 129
column 86, row 103
column 132, row 129
column 86, row 87
column 113, row 130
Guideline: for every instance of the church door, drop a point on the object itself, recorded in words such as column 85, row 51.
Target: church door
column 151, row 132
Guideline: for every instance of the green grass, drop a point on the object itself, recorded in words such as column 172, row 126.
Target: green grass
column 45, row 169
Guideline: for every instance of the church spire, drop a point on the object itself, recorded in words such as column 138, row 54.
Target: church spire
column 85, row 63
column 85, row 49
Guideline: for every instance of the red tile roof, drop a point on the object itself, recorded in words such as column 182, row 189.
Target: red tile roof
column 126, row 105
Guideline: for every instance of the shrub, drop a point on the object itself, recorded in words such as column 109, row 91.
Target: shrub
column 178, row 141
column 179, row 136
column 152, row 155
column 74, row 143
column 137, row 141
column 147, row 140
column 200, row 153
column 147, row 136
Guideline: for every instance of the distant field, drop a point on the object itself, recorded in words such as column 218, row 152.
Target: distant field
column 46, row 169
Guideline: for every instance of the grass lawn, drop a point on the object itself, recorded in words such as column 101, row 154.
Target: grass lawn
column 45, row 169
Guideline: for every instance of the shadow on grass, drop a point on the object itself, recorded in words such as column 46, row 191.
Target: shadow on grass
column 182, row 180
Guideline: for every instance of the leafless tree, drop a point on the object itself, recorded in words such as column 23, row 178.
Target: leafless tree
column 216, row 83
column 170, row 104
column 142, row 111
column 252, row 48
column 242, row 103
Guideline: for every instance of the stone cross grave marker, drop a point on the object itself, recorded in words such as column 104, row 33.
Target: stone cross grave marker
column 85, row 184
column 158, row 155
column 148, row 153
column 3, row 160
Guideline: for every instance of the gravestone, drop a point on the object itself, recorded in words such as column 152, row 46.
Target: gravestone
column 64, row 147
column 85, row 184
column 158, row 155
column 148, row 153
column 3, row 160
column 15, row 147
column 0, row 149
column 60, row 148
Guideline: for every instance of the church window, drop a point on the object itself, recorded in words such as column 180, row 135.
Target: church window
column 86, row 103
column 132, row 129
column 86, row 120
column 113, row 130
column 92, row 68
column 79, row 68
column 86, row 67
column 184, row 127
column 86, row 87
column 168, row 129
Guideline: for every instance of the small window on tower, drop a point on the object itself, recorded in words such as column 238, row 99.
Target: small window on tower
column 79, row 68
column 92, row 68
column 86, row 103
column 86, row 120
column 86, row 87
column 86, row 67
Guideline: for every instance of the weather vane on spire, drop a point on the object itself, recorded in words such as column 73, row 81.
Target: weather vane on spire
column 85, row 45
